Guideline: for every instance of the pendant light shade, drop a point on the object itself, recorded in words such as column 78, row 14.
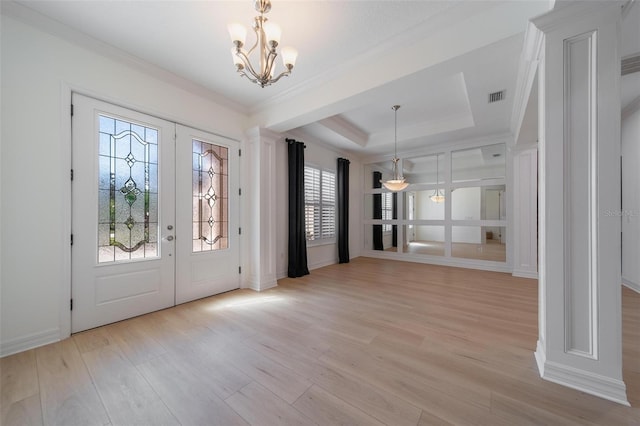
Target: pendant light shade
column 397, row 183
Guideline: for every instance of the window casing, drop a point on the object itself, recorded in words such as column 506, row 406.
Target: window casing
column 319, row 205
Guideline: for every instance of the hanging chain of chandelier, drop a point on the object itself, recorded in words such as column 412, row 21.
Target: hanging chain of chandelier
column 267, row 40
column 397, row 182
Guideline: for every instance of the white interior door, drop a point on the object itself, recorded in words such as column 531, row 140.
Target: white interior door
column 123, row 193
column 208, row 257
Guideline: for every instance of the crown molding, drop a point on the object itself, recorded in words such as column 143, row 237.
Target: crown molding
column 527, row 69
column 301, row 135
column 52, row 27
column 571, row 10
column 627, row 7
column 345, row 129
column 450, row 145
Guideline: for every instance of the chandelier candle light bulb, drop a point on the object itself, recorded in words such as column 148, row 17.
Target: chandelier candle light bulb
column 268, row 37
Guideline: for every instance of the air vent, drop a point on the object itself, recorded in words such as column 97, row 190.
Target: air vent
column 630, row 65
column 496, row 96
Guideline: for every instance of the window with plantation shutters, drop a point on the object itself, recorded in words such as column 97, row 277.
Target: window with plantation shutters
column 319, row 204
column 387, row 210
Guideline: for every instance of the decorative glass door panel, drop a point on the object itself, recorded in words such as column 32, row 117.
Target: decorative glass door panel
column 128, row 191
column 207, row 202
column 210, row 196
column 138, row 244
column 123, row 214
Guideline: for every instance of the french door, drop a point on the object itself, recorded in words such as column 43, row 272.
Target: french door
column 151, row 214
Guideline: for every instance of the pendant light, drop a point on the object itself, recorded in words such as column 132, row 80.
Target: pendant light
column 437, row 196
column 397, row 183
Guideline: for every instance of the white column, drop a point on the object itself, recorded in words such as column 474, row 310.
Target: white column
column 580, row 342
column 525, row 213
column 261, row 206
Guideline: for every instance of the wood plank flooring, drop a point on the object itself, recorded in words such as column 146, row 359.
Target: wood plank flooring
column 373, row 342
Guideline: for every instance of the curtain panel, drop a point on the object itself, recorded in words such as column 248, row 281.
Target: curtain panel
column 377, row 212
column 343, row 210
column 297, row 266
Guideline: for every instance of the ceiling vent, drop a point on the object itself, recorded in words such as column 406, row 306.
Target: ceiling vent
column 496, row 96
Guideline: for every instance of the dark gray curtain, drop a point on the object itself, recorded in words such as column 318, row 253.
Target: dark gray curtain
column 343, row 210
column 377, row 213
column 297, row 239
column 394, row 215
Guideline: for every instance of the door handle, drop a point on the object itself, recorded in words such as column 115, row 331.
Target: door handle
column 170, row 238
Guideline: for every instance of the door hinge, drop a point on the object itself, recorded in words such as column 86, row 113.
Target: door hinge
column 239, row 269
column 239, row 153
column 71, row 239
column 239, row 191
column 71, row 304
column 71, row 174
column 239, row 231
column 72, row 110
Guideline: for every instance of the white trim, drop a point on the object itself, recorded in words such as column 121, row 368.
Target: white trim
column 627, row 7
column 457, row 262
column 582, row 380
column 283, row 274
column 77, row 38
column 525, row 274
column 322, row 264
column 630, row 284
column 256, row 284
column 64, row 313
column 526, row 75
column 30, row 341
column 632, row 107
column 541, row 357
column 443, row 147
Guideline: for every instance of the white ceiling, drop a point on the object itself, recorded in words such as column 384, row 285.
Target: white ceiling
column 438, row 59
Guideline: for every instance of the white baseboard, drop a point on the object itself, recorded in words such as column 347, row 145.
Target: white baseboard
column 584, row 381
column 255, row 284
column 284, row 274
column 525, row 274
column 30, row 341
column 318, row 265
column 541, row 358
column 632, row 285
column 484, row 265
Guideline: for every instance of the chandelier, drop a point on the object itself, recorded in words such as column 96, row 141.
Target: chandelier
column 437, row 196
column 267, row 39
column 397, row 182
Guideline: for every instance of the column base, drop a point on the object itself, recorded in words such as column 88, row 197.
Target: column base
column 584, row 381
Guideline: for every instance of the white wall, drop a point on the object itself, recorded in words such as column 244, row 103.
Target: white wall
column 38, row 72
column 630, row 137
column 325, row 158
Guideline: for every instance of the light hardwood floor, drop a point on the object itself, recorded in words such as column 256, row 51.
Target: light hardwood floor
column 372, row 342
